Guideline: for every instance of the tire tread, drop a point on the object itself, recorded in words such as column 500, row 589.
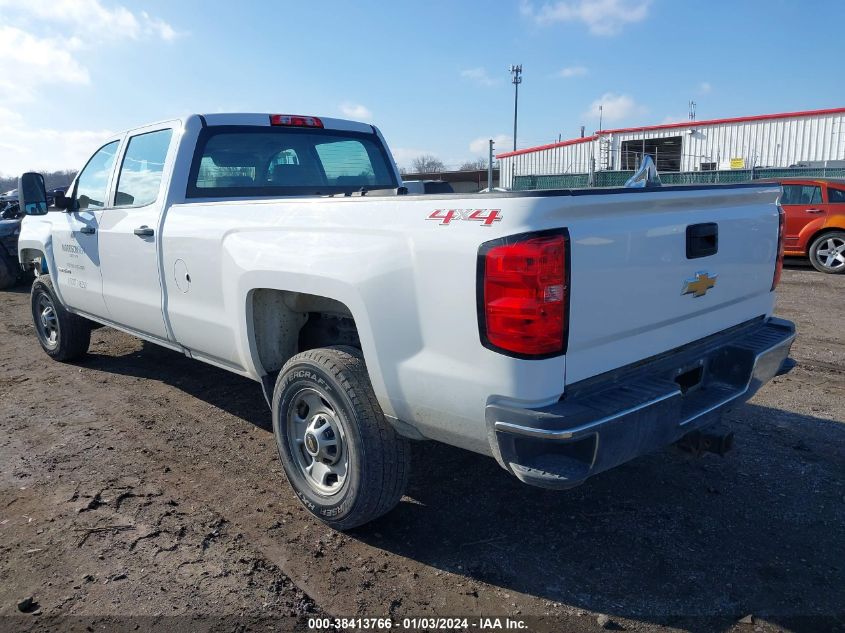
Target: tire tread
column 387, row 454
column 74, row 330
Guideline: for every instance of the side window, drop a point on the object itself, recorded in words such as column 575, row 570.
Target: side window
column 811, row 195
column 837, row 196
column 143, row 165
column 791, row 194
column 93, row 181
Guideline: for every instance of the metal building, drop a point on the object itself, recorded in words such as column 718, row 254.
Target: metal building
column 814, row 138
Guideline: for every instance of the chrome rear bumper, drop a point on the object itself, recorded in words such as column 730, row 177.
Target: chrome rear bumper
column 607, row 420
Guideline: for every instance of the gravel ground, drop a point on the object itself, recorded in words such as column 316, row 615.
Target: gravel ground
column 142, row 489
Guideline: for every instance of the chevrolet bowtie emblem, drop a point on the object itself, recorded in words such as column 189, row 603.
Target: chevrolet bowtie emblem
column 699, row 285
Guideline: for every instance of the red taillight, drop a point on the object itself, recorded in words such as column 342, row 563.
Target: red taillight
column 294, row 120
column 779, row 261
column 523, row 295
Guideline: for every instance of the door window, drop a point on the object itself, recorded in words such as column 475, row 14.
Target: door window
column 142, row 168
column 93, row 181
column 801, row 194
column 837, row 196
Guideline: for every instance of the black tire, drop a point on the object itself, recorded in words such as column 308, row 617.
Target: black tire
column 819, row 249
column 68, row 335
column 378, row 459
column 9, row 271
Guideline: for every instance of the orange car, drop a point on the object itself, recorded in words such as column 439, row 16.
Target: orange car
column 815, row 221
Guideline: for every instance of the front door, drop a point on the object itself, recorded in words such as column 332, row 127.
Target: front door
column 129, row 235
column 76, row 247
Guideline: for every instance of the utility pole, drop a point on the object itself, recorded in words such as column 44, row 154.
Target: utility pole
column 692, row 105
column 490, row 167
column 601, row 113
column 516, row 72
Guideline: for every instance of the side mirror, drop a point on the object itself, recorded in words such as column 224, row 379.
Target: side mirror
column 32, row 194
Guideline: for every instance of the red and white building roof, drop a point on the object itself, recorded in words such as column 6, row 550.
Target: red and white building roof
column 770, row 140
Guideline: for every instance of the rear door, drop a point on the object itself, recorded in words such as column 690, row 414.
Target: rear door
column 76, row 246
column 802, row 203
column 129, row 233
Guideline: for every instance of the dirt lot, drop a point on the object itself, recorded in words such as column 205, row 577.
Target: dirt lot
column 141, row 483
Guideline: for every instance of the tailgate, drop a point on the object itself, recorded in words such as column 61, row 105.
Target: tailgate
column 630, row 267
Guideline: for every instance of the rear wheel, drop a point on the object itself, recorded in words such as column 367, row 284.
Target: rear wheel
column 63, row 336
column 343, row 459
column 9, row 271
column 827, row 252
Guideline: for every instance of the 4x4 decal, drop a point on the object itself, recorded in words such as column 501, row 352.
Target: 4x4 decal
column 485, row 216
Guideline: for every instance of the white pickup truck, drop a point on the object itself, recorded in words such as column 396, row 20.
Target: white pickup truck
column 560, row 332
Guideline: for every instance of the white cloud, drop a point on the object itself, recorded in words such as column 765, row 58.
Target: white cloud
column 602, row 17
column 31, row 56
column 405, row 155
column 479, row 76
column 614, row 107
column 672, row 118
column 87, row 17
column 572, row 71
column 28, row 61
column 42, row 47
column 501, row 143
column 704, row 88
column 355, row 111
column 24, row 147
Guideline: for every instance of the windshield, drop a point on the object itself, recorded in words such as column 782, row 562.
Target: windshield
column 237, row 161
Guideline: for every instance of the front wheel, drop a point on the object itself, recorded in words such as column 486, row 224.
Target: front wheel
column 827, row 252
column 345, row 462
column 63, row 335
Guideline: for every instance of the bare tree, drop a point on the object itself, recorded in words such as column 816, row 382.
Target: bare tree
column 52, row 179
column 427, row 164
column 474, row 165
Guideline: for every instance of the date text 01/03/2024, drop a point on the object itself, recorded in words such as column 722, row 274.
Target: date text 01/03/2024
column 419, row 623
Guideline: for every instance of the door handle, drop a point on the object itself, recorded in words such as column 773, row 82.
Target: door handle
column 813, row 211
column 144, row 231
column 88, row 230
column 702, row 240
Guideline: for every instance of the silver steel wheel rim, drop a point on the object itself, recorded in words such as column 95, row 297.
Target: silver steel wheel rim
column 46, row 321
column 831, row 253
column 317, row 441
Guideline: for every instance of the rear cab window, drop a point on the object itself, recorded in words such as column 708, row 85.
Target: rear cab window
column 250, row 161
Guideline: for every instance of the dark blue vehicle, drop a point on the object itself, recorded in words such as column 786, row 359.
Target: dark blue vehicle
column 10, row 227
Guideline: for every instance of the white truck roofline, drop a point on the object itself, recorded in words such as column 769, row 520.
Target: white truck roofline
column 263, row 119
column 257, row 119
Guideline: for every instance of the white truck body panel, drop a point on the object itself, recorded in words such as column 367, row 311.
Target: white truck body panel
column 411, row 283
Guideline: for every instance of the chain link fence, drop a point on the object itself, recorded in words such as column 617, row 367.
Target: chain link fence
column 618, row 178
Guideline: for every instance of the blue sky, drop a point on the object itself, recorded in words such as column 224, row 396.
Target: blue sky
column 433, row 76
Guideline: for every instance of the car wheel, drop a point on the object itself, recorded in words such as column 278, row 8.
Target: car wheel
column 63, row 335
column 827, row 252
column 343, row 459
column 8, row 272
